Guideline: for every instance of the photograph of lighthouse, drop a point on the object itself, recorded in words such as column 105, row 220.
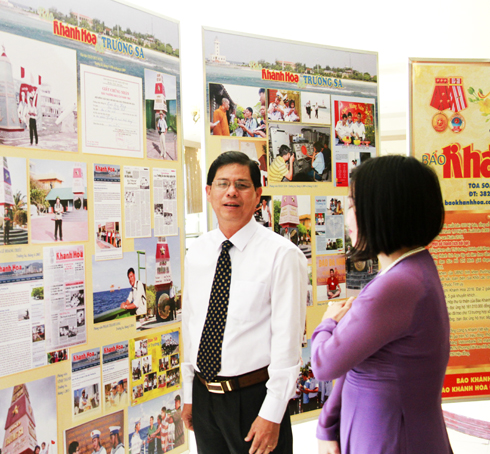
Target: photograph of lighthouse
column 38, row 99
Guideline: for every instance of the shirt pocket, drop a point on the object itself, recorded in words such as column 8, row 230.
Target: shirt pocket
column 249, row 301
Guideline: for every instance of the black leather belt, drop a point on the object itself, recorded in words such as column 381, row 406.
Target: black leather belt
column 229, row 384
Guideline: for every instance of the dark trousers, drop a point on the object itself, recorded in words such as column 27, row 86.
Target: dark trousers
column 222, row 421
column 32, row 129
column 57, row 227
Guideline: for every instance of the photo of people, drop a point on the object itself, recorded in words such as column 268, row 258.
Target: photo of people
column 113, row 287
column 116, row 394
column 292, row 220
column 161, row 124
column 284, row 105
column 354, row 123
column 330, row 277
column 31, row 405
column 299, row 153
column 156, row 426
column 86, row 398
column 108, row 235
column 147, row 370
column 263, row 213
column 45, row 101
column 358, row 274
column 38, row 333
column 57, row 356
column 315, row 108
column 124, row 293
column 311, row 394
column 254, row 149
column 141, row 348
column 58, row 196
column 14, row 217
column 101, row 435
column 237, row 111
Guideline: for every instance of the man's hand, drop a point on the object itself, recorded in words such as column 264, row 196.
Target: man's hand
column 187, row 416
column 264, row 435
column 328, row 447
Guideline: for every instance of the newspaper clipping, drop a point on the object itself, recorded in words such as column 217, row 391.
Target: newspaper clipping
column 22, row 336
column 115, row 366
column 85, row 381
column 64, row 295
column 107, row 211
column 165, row 202
column 137, row 203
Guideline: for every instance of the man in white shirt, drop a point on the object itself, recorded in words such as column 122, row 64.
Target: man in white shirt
column 162, row 131
column 261, row 346
column 136, row 441
column 342, row 130
column 98, row 448
column 137, row 295
column 358, row 128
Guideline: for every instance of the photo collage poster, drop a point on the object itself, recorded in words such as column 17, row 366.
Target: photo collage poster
column 308, row 115
column 91, row 255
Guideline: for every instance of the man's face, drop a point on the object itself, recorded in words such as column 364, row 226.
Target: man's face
column 95, row 443
column 151, row 421
column 226, row 104
column 247, row 113
column 132, row 278
column 113, row 440
column 262, row 112
column 177, row 404
column 119, row 389
column 262, row 97
column 161, row 116
column 358, row 117
column 233, row 208
column 331, row 273
column 278, row 99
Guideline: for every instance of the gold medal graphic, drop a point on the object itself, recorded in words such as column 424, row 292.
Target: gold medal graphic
column 439, row 122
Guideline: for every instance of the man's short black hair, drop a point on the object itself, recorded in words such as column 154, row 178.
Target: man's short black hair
column 317, row 146
column 344, row 116
column 398, row 204
column 250, row 110
column 349, row 114
column 131, row 270
column 234, row 157
column 284, row 150
column 261, row 90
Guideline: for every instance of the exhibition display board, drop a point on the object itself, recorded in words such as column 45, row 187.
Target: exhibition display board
column 450, row 111
column 307, row 114
column 92, row 230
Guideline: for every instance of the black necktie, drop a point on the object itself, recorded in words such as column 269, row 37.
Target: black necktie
column 209, row 353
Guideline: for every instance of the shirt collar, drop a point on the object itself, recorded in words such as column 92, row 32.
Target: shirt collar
column 241, row 238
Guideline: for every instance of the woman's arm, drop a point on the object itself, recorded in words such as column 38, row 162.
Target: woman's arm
column 381, row 313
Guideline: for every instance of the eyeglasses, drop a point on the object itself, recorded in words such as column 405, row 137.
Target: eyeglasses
column 240, row 185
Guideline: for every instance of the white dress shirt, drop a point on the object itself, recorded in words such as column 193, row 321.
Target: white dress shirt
column 359, row 129
column 266, row 311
